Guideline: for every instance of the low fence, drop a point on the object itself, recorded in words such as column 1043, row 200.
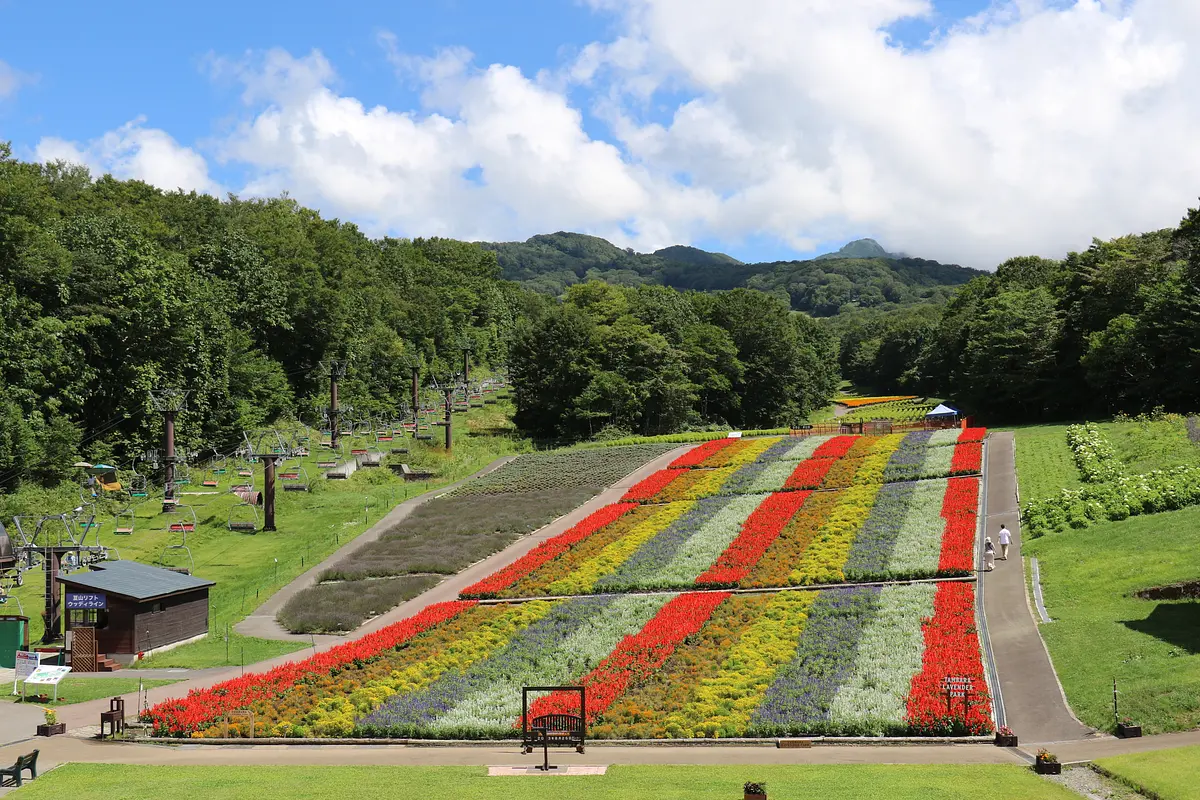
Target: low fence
column 878, row 427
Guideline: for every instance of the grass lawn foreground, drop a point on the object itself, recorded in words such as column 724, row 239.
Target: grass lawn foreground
column 784, row 782
column 1169, row 774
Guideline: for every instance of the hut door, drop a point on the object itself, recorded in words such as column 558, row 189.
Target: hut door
column 83, row 650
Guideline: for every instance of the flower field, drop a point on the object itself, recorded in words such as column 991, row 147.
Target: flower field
column 863, row 660
column 633, row 603
column 859, row 402
column 747, row 514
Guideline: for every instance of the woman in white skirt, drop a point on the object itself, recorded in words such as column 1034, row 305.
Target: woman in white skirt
column 989, row 554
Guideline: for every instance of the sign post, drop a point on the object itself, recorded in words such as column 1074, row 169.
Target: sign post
column 26, row 664
column 957, row 686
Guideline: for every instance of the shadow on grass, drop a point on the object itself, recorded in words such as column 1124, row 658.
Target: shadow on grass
column 1177, row 624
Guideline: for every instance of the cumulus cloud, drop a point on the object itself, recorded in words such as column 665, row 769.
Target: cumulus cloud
column 134, row 151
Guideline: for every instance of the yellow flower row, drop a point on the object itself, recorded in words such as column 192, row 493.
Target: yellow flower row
column 584, row 578
column 824, row 560
column 740, row 456
column 722, row 704
column 694, row 484
column 876, row 461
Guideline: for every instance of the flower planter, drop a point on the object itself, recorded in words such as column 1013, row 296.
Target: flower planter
column 1128, row 731
column 52, row 730
column 1047, row 767
column 1006, row 741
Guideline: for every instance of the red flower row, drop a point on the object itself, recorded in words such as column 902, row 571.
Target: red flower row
column 759, row 530
column 951, row 651
column 645, row 489
column 204, row 706
column 836, row 447
column 637, row 656
column 810, row 474
column 972, row 435
column 506, row 577
column 694, row 456
column 960, row 510
column 967, row 458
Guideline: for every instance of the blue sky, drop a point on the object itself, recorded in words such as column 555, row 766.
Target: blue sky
column 93, row 67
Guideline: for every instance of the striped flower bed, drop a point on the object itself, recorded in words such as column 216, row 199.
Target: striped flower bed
column 858, row 660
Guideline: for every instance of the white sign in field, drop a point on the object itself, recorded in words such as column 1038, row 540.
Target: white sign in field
column 46, row 676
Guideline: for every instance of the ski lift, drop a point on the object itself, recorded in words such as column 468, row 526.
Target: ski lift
column 294, row 477
column 183, row 474
column 138, row 486
column 179, row 544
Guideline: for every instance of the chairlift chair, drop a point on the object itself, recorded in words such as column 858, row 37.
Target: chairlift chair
column 123, row 522
column 243, row 517
column 294, row 477
column 182, row 520
column 183, row 474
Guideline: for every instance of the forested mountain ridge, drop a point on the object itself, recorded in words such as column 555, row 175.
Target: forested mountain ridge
column 860, row 275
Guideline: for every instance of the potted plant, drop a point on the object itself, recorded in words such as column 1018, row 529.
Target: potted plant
column 755, row 790
column 1128, row 729
column 1047, row 764
column 52, row 726
column 1005, row 737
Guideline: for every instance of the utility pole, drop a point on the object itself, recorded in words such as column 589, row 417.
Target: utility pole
column 416, row 398
column 269, row 462
column 169, row 402
column 337, row 371
column 449, row 391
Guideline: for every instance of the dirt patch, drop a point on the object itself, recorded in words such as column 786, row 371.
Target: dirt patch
column 1188, row 590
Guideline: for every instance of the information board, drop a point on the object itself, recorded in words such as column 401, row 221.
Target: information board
column 47, row 676
column 27, row 663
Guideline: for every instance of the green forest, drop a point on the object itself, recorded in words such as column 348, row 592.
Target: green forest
column 112, row 289
column 1111, row 329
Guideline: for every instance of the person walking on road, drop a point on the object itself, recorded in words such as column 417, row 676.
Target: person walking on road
column 1005, row 541
column 989, row 554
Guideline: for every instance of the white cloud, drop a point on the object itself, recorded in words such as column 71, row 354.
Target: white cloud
column 1030, row 128
column 413, row 172
column 134, row 151
column 11, row 80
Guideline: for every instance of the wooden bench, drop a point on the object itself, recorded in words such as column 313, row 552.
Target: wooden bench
column 114, row 717
column 13, row 773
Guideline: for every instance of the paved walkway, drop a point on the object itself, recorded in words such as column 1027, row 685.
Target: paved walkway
column 1034, row 704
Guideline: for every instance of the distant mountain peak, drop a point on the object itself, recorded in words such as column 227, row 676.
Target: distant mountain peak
column 694, row 255
column 861, row 248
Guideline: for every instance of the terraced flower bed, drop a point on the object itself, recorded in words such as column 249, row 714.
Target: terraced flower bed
column 761, row 525
column 859, row 402
column 856, row 660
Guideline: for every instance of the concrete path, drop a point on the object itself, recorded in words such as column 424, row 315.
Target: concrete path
column 262, row 623
column 1034, row 704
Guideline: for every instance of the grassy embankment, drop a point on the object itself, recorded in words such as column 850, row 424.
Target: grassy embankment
column 248, row 568
column 1101, row 629
column 80, row 690
column 1167, row 774
column 790, row 782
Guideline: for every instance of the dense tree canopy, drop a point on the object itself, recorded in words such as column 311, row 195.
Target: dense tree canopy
column 652, row 360
column 1115, row 328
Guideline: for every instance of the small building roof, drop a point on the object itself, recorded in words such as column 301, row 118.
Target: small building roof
column 133, row 580
column 942, row 410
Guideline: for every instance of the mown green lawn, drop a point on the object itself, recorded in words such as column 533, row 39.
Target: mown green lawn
column 1045, row 465
column 1169, row 774
column 104, row 781
column 80, row 690
column 249, row 568
column 1102, row 631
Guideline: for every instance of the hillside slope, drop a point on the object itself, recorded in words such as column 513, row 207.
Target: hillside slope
column 860, row 275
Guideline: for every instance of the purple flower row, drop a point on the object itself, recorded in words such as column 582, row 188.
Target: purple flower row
column 873, row 547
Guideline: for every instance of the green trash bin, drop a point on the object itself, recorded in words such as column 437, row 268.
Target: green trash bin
column 14, row 636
